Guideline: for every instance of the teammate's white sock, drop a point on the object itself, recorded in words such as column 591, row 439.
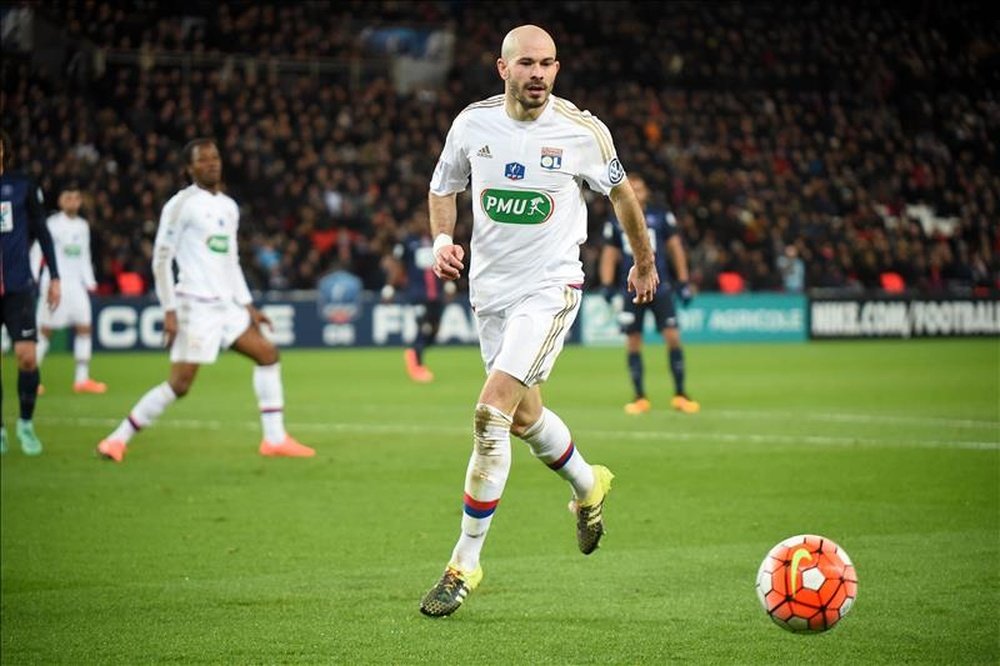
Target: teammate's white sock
column 271, row 401
column 485, row 479
column 41, row 349
column 147, row 410
column 551, row 442
column 82, row 347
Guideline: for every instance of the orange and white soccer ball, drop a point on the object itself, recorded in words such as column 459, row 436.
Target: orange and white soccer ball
column 807, row 583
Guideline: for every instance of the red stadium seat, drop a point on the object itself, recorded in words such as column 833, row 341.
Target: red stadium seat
column 730, row 282
column 131, row 284
column 893, row 282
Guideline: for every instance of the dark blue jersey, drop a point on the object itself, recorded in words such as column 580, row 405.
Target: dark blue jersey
column 22, row 222
column 661, row 226
column 416, row 253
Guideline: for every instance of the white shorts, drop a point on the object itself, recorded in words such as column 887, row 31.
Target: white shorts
column 525, row 339
column 73, row 310
column 206, row 328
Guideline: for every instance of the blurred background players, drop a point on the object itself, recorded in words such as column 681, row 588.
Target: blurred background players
column 662, row 228
column 210, row 307
column 22, row 221
column 71, row 239
column 410, row 269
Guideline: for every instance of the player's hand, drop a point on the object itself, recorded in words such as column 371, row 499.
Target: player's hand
column 260, row 319
column 169, row 328
column 448, row 262
column 54, row 295
column 643, row 281
column 684, row 293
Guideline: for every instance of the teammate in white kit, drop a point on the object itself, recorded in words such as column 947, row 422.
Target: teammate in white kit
column 71, row 237
column 528, row 153
column 210, row 307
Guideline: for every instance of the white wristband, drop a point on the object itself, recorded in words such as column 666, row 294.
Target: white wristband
column 440, row 242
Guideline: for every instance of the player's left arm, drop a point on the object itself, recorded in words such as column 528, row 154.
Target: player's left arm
column 241, row 290
column 39, row 230
column 90, row 282
column 678, row 259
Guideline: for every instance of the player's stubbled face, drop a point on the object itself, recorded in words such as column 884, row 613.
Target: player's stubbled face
column 531, row 78
column 206, row 165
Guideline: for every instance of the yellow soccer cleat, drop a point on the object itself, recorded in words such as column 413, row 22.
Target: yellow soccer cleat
column 450, row 592
column 590, row 512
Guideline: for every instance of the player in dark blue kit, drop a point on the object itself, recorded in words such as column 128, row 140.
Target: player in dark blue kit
column 411, row 271
column 662, row 228
column 22, row 222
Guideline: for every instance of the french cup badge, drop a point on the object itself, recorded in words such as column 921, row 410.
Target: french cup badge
column 514, row 170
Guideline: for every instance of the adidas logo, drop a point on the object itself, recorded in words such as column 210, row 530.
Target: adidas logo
column 484, row 152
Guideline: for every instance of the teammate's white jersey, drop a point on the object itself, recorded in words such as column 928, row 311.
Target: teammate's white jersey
column 529, row 213
column 198, row 229
column 71, row 239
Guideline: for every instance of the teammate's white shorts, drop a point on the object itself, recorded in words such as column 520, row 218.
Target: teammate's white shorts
column 73, row 310
column 206, row 328
column 525, row 339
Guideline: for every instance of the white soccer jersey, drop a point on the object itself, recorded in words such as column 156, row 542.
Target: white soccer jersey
column 71, row 239
column 198, row 229
column 529, row 213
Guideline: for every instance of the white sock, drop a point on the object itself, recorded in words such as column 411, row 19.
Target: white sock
column 271, row 401
column 485, row 479
column 147, row 410
column 82, row 347
column 41, row 348
column 551, row 442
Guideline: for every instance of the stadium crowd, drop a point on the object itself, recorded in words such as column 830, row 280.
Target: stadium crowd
column 816, row 145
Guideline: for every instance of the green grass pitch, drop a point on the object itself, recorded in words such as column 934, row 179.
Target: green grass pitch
column 196, row 550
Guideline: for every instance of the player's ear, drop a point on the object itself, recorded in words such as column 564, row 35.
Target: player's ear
column 502, row 69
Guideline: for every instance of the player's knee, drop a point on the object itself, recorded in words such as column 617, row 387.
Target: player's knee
column 27, row 361
column 491, row 430
column 181, row 386
column 268, row 355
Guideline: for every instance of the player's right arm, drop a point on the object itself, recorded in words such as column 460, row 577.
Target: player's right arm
column 642, row 278
column 164, row 251
column 451, row 176
column 447, row 255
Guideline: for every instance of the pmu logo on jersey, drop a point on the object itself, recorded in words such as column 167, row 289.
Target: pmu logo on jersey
column 218, row 243
column 516, row 206
column 514, row 170
column 551, row 158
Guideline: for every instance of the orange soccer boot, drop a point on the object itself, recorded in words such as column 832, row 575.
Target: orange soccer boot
column 89, row 386
column 112, row 449
column 682, row 403
column 289, row 448
column 418, row 373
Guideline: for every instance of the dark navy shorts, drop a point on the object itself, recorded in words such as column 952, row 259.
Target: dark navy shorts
column 17, row 313
column 662, row 307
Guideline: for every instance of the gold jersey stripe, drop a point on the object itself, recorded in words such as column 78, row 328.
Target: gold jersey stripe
column 572, row 297
column 599, row 132
column 489, row 102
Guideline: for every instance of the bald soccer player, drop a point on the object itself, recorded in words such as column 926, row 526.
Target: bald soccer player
column 528, row 154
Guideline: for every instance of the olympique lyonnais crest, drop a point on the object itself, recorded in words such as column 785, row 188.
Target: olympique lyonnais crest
column 514, row 170
column 551, row 158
